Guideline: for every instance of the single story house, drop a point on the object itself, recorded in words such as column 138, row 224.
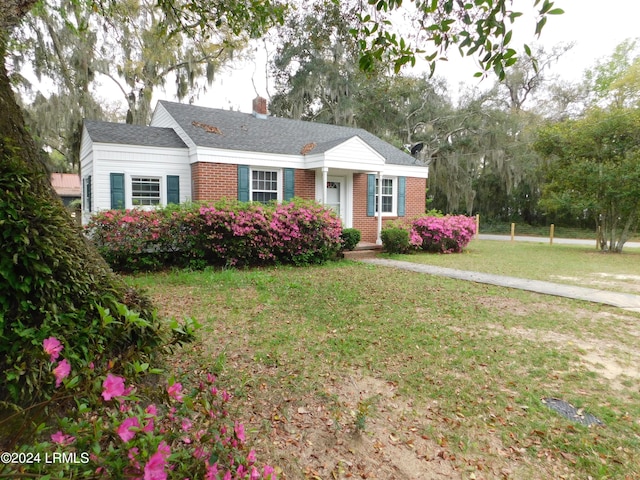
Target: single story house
column 192, row 153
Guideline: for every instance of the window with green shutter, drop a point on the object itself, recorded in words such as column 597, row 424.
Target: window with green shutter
column 173, row 189
column 243, row 183
column 402, row 194
column 117, row 191
column 289, row 184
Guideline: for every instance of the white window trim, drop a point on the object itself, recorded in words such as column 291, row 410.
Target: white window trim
column 161, row 191
column 394, row 196
column 279, row 180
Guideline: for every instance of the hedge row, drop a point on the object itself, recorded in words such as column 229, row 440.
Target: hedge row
column 225, row 233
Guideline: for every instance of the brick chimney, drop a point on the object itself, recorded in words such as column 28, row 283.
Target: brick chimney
column 260, row 107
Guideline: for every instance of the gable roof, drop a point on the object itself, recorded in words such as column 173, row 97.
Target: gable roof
column 231, row 130
column 108, row 132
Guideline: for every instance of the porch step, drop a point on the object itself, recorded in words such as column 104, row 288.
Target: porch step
column 363, row 250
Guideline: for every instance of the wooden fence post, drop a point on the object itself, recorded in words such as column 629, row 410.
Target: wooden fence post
column 477, row 224
column 513, row 231
column 551, row 232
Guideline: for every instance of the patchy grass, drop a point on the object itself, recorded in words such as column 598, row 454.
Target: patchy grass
column 575, row 265
column 352, row 370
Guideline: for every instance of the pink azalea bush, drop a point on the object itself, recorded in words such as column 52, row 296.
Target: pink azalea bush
column 186, row 433
column 448, row 234
column 225, row 233
column 128, row 239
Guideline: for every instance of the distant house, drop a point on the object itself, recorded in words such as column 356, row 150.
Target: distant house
column 67, row 186
column 191, row 153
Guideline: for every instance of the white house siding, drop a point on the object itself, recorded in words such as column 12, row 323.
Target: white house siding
column 86, row 170
column 254, row 159
column 353, row 152
column 161, row 118
column 138, row 161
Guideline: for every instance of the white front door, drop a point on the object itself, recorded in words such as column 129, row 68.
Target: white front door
column 336, row 195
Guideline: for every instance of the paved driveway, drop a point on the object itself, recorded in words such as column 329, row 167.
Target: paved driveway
column 566, row 241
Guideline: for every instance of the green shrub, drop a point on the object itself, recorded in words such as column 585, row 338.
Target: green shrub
column 51, row 283
column 395, row 240
column 350, row 238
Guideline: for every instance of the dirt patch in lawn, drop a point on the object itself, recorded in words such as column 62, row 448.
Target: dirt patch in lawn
column 360, row 427
column 607, row 358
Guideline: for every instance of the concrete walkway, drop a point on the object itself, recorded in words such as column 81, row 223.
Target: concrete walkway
column 626, row 301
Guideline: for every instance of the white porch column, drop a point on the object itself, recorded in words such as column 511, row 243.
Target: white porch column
column 325, row 171
column 379, row 229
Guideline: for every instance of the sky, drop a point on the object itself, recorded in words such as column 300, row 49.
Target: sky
column 595, row 26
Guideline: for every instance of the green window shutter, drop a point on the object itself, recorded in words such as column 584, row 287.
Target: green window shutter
column 243, row 183
column 117, row 191
column 402, row 195
column 88, row 193
column 173, row 189
column 289, row 184
column 371, row 195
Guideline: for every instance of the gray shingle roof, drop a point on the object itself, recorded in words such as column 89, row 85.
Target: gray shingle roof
column 107, row 132
column 210, row 127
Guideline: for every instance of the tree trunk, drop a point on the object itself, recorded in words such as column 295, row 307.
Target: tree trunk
column 51, row 277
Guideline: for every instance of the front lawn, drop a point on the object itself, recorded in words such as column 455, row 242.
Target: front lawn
column 354, row 370
column 575, row 265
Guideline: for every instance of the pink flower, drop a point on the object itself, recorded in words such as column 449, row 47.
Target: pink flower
column 186, row 424
column 212, row 471
column 154, row 469
column 62, row 371
column 113, row 386
column 62, row 439
column 151, row 410
column 175, row 391
column 128, row 428
column 255, row 474
column 239, row 429
column 52, row 347
column 269, row 473
column 251, row 458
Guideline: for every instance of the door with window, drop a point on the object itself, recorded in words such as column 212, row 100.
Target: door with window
column 336, row 195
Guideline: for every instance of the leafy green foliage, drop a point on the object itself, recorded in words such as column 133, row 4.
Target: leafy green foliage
column 594, row 171
column 481, row 29
column 156, row 427
column 395, row 240
column 350, row 238
column 51, row 282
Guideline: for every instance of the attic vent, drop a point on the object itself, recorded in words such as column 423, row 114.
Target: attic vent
column 207, row 128
column 307, row 148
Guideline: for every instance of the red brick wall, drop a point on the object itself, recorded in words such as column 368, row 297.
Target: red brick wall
column 368, row 226
column 214, row 181
column 415, row 196
column 305, row 184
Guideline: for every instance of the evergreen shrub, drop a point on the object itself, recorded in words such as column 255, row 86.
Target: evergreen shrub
column 350, row 238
